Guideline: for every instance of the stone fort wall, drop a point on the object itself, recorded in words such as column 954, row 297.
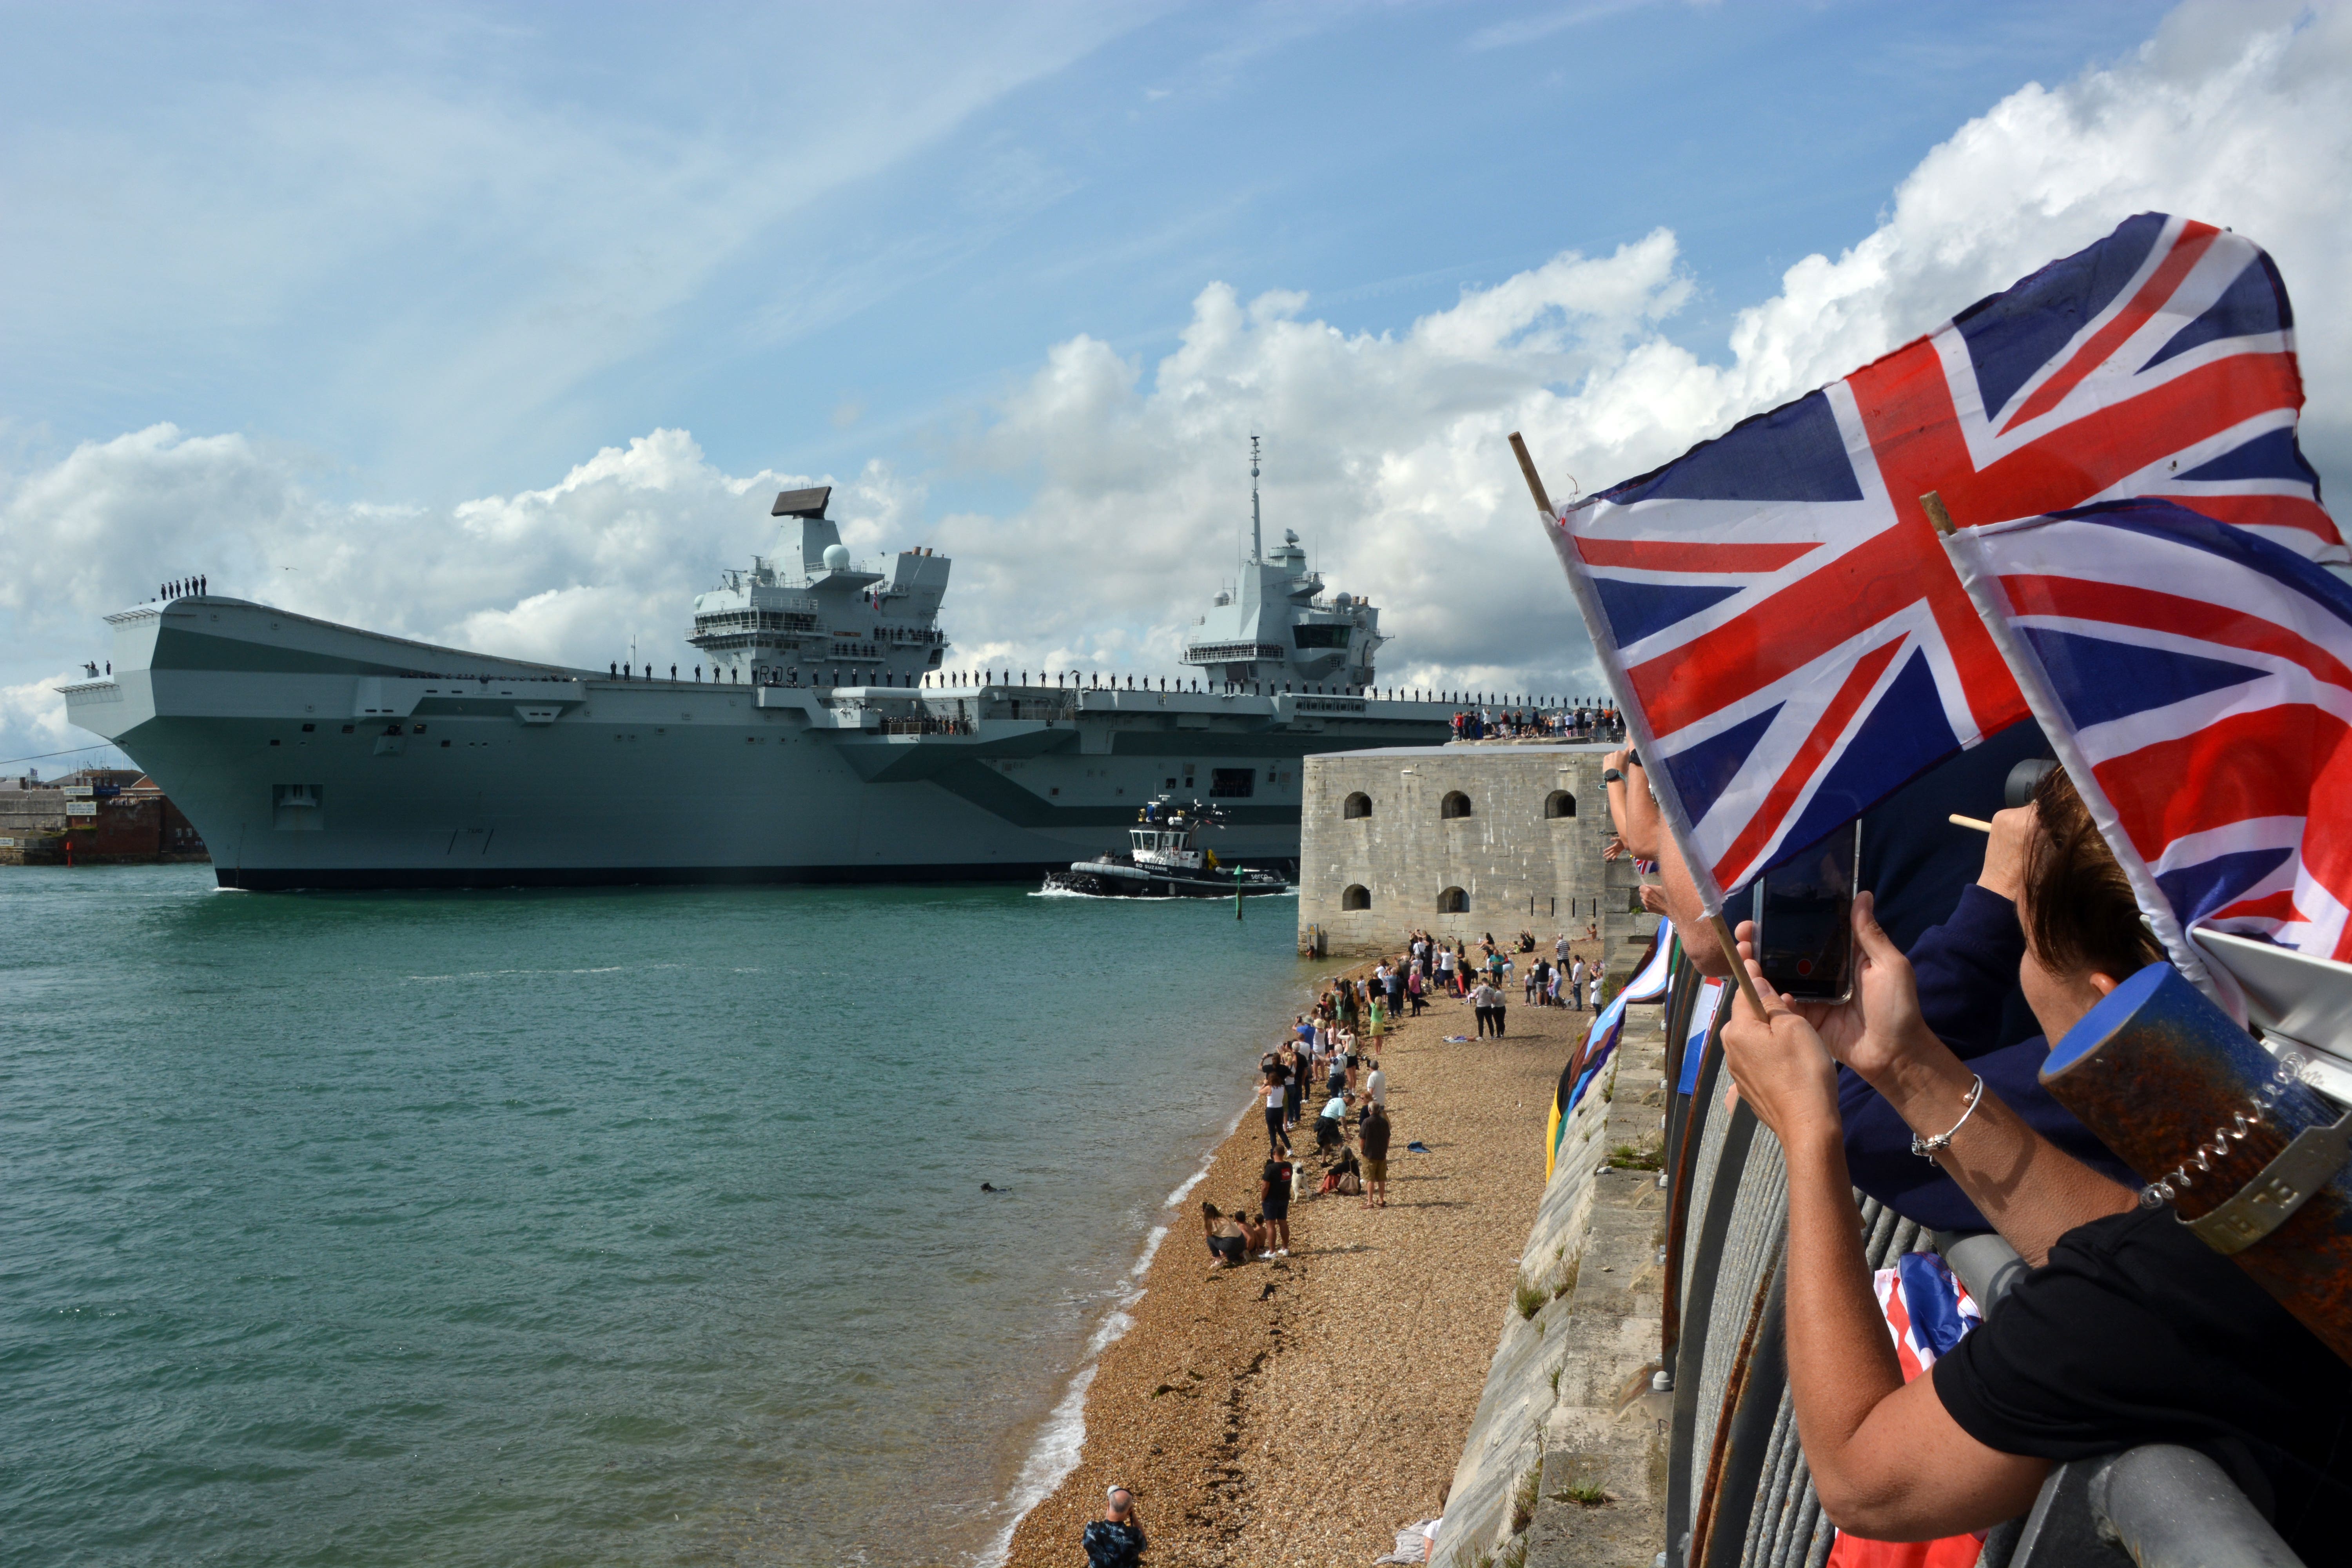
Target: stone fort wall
column 1460, row 840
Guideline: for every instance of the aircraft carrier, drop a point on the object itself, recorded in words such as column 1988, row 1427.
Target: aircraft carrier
column 819, row 736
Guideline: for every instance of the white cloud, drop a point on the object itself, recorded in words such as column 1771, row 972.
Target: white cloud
column 617, row 550
column 1385, row 451
column 33, row 724
column 1528, row 29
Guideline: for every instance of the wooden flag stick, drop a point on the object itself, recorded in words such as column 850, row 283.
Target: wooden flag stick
column 1534, row 480
column 1739, row 967
column 1933, row 505
column 1722, row 926
column 1956, row 820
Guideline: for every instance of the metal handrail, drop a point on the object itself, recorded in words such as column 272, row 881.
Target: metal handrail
column 2156, row 1506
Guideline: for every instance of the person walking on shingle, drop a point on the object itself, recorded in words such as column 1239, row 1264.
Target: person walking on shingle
column 1116, row 1540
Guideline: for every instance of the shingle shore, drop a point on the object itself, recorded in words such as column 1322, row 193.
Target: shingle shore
column 1301, row 1411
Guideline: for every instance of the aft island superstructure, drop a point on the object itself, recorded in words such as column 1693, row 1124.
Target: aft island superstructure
column 818, row 739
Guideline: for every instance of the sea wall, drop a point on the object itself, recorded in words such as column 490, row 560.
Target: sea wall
column 37, row 829
column 1460, row 840
column 1565, row 1462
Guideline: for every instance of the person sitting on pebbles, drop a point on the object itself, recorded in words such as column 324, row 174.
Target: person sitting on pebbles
column 1232, row 1238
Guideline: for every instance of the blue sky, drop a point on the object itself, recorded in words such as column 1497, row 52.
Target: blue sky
column 264, row 220
column 493, row 324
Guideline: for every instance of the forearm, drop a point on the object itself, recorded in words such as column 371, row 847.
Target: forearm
column 1638, row 824
column 2028, row 1189
column 1841, row 1364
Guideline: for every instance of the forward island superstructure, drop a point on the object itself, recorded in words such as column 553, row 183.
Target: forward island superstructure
column 818, row 739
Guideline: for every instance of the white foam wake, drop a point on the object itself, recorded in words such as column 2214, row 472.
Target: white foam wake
column 1062, row 1442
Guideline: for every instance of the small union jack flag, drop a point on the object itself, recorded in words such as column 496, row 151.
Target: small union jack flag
column 1927, row 1310
column 1790, row 640
column 2200, row 677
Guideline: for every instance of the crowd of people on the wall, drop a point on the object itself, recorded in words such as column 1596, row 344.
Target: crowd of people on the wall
column 1923, row 1091
column 1580, row 723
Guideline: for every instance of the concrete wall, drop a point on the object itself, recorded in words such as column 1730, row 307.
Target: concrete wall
column 1568, row 1406
column 1504, row 855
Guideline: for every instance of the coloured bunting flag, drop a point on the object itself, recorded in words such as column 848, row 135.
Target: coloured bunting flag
column 1791, row 645
column 1706, row 1012
column 2197, row 681
column 1656, row 968
column 1647, row 985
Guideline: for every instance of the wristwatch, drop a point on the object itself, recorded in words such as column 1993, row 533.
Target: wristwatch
column 1611, row 776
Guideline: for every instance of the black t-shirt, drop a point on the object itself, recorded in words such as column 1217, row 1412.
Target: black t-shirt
column 1276, row 1176
column 2135, row 1332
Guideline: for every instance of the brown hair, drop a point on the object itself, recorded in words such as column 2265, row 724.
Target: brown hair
column 2083, row 913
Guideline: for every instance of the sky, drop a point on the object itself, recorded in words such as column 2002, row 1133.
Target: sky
column 498, row 326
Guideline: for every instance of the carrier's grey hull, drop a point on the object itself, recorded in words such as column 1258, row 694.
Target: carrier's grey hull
column 504, row 773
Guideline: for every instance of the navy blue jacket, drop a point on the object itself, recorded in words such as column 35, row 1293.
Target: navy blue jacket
column 1967, row 970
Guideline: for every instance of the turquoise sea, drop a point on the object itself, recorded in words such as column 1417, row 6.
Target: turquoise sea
column 605, row 1227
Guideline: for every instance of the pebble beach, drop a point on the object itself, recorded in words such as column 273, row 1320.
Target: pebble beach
column 1301, row 1410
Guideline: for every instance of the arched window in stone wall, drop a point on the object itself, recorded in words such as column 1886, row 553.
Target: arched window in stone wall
column 1454, row 901
column 1456, row 803
column 1559, row 802
column 1356, row 804
column 1356, row 896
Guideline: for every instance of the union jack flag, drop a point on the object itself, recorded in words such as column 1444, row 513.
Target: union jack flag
column 1927, row 1310
column 2200, row 677
column 1790, row 641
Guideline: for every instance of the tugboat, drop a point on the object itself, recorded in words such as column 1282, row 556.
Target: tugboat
column 1165, row 861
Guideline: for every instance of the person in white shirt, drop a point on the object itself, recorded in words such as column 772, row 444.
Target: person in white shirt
column 1327, row 1126
column 1277, row 1141
column 1376, row 1088
column 1592, row 990
column 1575, row 983
column 1483, row 1000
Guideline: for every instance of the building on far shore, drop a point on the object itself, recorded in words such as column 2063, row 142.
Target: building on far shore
column 100, row 816
column 1462, row 840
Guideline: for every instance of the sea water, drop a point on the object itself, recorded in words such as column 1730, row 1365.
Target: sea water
column 595, row 1226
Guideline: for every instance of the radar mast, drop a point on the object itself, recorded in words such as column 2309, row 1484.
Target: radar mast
column 1257, row 547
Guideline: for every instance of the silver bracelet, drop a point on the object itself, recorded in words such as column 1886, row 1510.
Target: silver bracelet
column 1928, row 1148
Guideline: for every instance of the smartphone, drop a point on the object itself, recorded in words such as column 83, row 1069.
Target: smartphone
column 1804, row 919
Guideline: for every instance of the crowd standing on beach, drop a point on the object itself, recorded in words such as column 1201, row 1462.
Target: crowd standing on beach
column 1331, row 1055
